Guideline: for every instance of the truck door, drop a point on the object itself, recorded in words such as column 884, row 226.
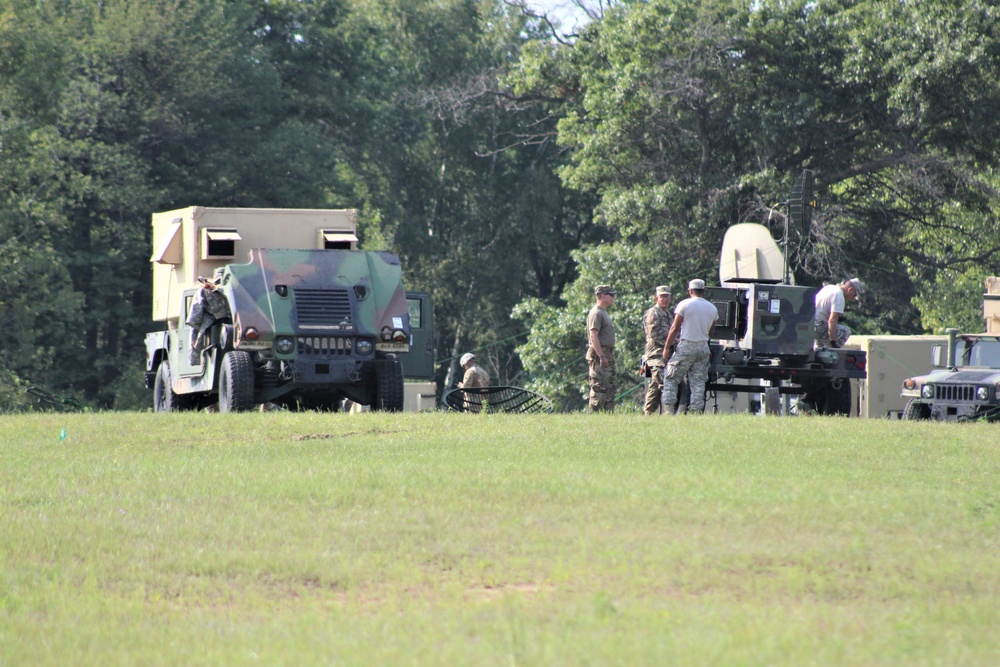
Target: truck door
column 418, row 363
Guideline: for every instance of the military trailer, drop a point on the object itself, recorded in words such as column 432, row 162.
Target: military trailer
column 307, row 319
column 765, row 345
column 765, row 333
column 891, row 359
column 965, row 382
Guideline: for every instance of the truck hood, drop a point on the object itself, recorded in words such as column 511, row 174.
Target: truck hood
column 321, row 292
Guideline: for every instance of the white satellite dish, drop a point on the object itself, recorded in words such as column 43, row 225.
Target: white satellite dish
column 749, row 254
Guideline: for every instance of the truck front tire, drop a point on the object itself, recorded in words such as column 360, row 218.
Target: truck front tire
column 388, row 385
column 164, row 398
column 236, row 383
column 916, row 411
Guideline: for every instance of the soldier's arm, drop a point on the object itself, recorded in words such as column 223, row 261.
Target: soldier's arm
column 832, row 325
column 675, row 329
column 596, row 345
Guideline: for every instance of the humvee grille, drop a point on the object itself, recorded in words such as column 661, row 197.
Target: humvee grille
column 324, row 309
column 955, row 392
column 324, row 346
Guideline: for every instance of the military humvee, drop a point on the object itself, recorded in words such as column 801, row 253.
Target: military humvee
column 311, row 319
column 965, row 382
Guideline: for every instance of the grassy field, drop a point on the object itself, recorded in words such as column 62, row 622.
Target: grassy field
column 437, row 539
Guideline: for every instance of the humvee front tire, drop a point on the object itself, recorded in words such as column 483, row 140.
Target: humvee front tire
column 236, row 382
column 164, row 398
column 916, row 411
column 388, row 385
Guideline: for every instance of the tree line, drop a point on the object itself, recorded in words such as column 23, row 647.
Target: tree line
column 511, row 165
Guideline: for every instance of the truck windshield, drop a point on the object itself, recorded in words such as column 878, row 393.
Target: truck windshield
column 983, row 353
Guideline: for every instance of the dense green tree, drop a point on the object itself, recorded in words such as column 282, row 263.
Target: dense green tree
column 687, row 117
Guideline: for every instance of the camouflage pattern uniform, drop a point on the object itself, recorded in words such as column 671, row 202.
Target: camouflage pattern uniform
column 689, row 359
column 603, row 381
column 657, row 323
column 830, row 298
column 476, row 377
column 692, row 356
column 210, row 306
column 822, row 334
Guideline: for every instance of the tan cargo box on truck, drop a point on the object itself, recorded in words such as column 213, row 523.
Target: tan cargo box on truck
column 991, row 305
column 194, row 241
column 891, row 359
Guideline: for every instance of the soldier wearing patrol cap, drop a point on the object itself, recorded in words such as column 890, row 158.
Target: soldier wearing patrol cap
column 475, row 375
column 656, row 321
column 603, row 374
column 694, row 322
column 830, row 302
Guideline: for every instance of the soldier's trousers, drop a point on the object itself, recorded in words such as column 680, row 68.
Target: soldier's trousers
column 603, row 382
column 654, row 393
column 822, row 332
column 690, row 359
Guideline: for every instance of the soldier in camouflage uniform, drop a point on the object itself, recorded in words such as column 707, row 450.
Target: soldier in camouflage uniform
column 603, row 374
column 475, row 376
column 656, row 321
column 694, row 322
column 210, row 306
column 830, row 302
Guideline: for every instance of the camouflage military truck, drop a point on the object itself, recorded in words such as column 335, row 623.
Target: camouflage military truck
column 965, row 382
column 307, row 320
column 765, row 333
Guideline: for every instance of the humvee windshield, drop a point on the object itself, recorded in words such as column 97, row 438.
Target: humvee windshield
column 983, row 352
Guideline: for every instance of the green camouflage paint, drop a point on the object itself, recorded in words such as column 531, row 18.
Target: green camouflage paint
column 269, row 294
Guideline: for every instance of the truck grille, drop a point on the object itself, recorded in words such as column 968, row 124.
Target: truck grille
column 325, row 346
column 955, row 392
column 324, row 309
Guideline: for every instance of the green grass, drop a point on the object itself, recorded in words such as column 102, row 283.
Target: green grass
column 437, row 539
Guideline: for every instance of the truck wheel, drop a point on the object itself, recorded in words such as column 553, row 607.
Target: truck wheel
column 164, row 398
column 236, row 383
column 837, row 399
column 388, row 385
column 916, row 410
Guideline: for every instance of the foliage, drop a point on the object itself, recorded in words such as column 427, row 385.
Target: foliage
column 687, row 117
column 495, row 154
column 554, row 354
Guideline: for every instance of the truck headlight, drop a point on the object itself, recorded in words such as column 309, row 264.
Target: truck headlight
column 982, row 393
column 927, row 391
column 363, row 346
column 284, row 345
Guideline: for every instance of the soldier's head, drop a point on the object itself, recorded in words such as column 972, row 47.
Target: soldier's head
column 854, row 289
column 468, row 359
column 663, row 296
column 696, row 287
column 605, row 295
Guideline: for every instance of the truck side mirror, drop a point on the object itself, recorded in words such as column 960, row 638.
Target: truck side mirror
column 937, row 356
